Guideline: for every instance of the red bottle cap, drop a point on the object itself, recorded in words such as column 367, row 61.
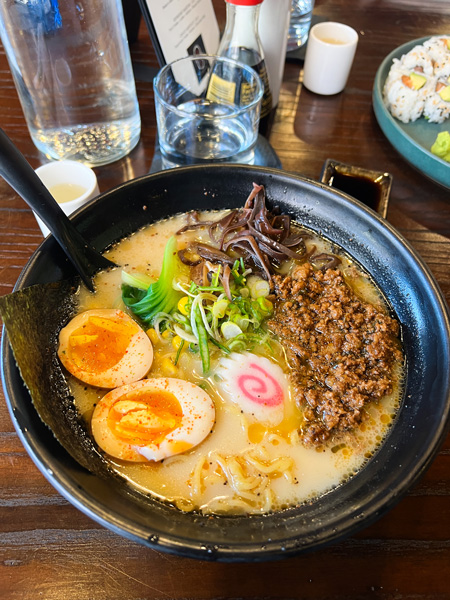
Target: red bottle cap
column 245, row 2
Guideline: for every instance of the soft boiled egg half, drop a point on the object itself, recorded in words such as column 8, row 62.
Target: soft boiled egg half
column 105, row 348
column 152, row 419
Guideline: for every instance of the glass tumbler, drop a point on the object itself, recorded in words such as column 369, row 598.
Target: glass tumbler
column 300, row 23
column 72, row 69
column 207, row 110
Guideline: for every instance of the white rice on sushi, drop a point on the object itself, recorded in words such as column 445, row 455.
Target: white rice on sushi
column 419, row 60
column 436, row 109
column 438, row 48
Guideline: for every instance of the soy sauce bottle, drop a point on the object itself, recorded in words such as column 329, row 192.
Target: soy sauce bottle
column 241, row 41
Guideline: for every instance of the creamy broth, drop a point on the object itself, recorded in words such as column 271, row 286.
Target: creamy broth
column 274, row 470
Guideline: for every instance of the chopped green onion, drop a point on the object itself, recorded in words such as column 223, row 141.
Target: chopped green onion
column 202, row 340
column 265, row 305
column 230, row 330
column 241, row 321
column 215, row 279
column 180, row 349
column 221, row 346
column 237, row 344
column 258, row 287
column 219, row 308
column 208, row 315
column 239, row 278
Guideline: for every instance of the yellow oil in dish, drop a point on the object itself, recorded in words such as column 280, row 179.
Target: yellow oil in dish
column 66, row 192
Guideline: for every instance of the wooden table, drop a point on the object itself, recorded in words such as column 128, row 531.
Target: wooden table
column 50, row 550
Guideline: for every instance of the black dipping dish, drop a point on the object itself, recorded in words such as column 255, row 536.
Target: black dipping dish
column 370, row 187
column 410, row 446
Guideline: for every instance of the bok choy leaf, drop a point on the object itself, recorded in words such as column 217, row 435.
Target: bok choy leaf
column 160, row 296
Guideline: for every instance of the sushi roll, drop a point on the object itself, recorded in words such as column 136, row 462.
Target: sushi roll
column 405, row 91
column 437, row 103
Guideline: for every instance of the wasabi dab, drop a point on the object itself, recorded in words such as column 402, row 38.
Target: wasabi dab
column 441, row 146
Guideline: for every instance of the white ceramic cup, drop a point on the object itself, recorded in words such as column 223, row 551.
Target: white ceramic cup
column 329, row 57
column 71, row 183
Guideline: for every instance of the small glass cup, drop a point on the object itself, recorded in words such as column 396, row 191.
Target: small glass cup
column 207, row 110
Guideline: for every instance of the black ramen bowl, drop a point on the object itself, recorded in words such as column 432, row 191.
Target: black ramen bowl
column 412, row 441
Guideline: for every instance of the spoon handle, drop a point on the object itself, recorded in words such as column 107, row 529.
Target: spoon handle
column 16, row 170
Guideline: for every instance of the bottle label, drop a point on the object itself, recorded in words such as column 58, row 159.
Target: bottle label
column 224, row 91
column 221, row 90
column 266, row 105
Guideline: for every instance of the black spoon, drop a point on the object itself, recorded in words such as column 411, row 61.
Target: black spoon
column 17, row 171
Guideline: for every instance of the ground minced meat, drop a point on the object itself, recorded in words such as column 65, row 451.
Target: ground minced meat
column 341, row 349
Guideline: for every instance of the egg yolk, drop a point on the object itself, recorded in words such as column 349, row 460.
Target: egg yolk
column 145, row 416
column 88, row 344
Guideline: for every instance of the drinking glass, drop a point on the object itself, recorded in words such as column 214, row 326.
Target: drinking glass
column 300, row 22
column 72, row 69
column 207, row 110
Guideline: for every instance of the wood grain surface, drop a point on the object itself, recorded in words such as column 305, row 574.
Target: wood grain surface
column 50, row 550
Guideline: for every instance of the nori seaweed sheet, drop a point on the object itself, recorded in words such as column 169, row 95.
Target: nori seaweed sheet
column 33, row 318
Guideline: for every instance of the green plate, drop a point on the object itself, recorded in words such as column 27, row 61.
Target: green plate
column 412, row 140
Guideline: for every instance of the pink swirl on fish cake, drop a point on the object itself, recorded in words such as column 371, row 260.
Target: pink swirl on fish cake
column 257, row 390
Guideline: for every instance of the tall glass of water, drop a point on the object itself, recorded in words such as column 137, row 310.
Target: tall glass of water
column 207, row 110
column 300, row 23
column 71, row 65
